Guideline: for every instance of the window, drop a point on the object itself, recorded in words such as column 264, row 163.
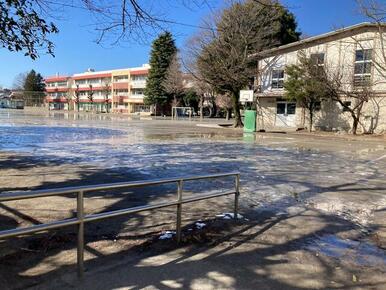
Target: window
column 280, row 108
column 362, row 67
column 317, row 106
column 277, row 79
column 94, row 81
column 137, row 92
column 346, row 104
column 291, row 108
column 121, row 92
column 138, row 78
column 62, row 84
column 119, row 79
column 80, row 82
column 141, row 108
column 317, row 58
column 285, row 108
column 97, row 94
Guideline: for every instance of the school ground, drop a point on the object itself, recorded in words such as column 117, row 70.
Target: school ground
column 313, row 205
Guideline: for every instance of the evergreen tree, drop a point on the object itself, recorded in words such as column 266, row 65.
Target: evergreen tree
column 306, row 84
column 191, row 99
column 34, row 82
column 163, row 50
column 33, row 89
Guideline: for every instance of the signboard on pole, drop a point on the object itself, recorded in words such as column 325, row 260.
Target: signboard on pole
column 246, row 96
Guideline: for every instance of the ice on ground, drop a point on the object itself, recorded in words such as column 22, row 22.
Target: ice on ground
column 114, row 147
column 362, row 253
column 200, row 225
column 228, row 216
column 167, row 235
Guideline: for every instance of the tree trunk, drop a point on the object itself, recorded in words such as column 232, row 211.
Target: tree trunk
column 356, row 118
column 311, row 121
column 355, row 125
column 228, row 113
column 201, row 107
column 236, row 109
column 213, row 112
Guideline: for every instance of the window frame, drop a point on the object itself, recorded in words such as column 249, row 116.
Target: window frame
column 348, row 104
column 318, row 106
column 315, row 56
column 363, row 78
column 279, row 80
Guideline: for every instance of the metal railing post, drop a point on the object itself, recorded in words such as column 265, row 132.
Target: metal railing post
column 179, row 210
column 80, row 245
column 81, row 218
column 237, row 193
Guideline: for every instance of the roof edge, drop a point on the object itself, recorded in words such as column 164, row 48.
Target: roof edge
column 289, row 46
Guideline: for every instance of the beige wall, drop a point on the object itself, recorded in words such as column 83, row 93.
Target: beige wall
column 339, row 59
column 267, row 113
column 331, row 116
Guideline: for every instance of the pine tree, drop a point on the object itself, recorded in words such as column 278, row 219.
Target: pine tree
column 33, row 89
column 163, row 50
column 34, row 82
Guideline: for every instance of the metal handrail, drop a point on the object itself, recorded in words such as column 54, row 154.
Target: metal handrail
column 87, row 188
column 81, row 218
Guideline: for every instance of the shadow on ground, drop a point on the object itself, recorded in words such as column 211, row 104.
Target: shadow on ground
column 268, row 251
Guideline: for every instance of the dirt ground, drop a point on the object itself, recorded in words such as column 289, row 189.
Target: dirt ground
column 314, row 206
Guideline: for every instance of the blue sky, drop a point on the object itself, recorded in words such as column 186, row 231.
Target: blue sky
column 76, row 49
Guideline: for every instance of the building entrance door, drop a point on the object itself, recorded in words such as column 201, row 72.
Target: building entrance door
column 285, row 114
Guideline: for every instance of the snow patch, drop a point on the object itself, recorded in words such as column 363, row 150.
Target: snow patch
column 167, row 235
column 200, row 225
column 228, row 216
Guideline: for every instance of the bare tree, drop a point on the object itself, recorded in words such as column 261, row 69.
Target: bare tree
column 90, row 96
column 27, row 25
column 224, row 101
column 174, row 81
column 19, row 81
column 205, row 92
column 69, row 95
column 351, row 100
column 139, row 20
column 375, row 11
column 244, row 28
column 203, row 88
column 106, row 91
column 77, row 97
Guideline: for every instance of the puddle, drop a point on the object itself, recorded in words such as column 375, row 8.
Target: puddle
column 361, row 253
column 25, row 138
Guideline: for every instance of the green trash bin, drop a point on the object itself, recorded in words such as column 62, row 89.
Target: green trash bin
column 250, row 121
